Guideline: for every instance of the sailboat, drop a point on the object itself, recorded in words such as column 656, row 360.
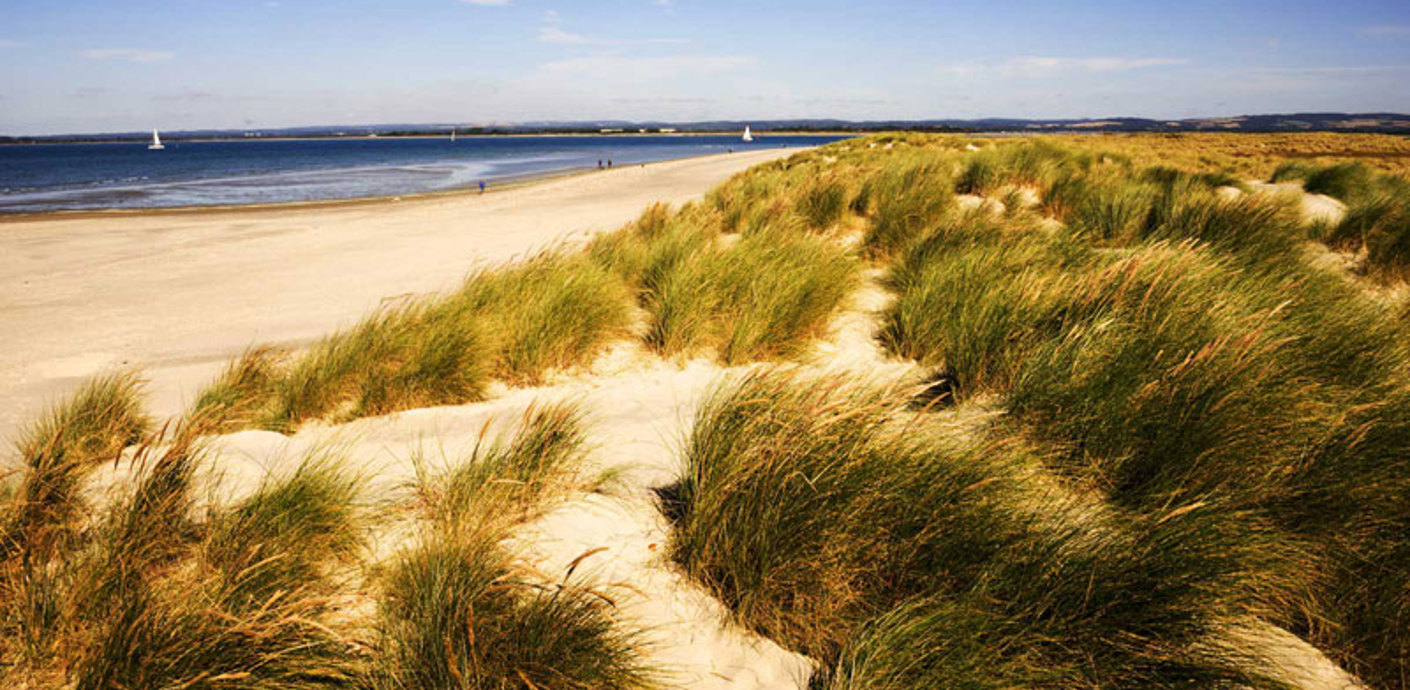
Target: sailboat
column 452, row 135
column 156, row 144
column 748, row 136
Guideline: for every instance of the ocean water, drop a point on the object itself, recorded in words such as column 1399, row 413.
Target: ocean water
column 54, row 177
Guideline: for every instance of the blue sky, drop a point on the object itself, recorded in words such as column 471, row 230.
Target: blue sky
column 100, row 65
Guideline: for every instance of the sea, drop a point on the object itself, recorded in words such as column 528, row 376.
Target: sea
column 72, row 177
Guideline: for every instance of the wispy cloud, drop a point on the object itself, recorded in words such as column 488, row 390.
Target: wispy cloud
column 1332, row 70
column 553, row 32
column 656, row 100
column 1036, row 66
column 9, row 43
column 605, row 66
column 1386, row 30
column 186, row 96
column 485, row 2
column 88, row 92
column 128, row 54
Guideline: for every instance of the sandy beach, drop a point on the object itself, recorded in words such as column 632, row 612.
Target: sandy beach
column 175, row 295
column 178, row 293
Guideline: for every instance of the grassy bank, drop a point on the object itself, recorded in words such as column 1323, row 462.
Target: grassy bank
column 1157, row 342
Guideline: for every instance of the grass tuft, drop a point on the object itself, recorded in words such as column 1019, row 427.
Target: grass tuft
column 459, row 612
column 901, row 560
column 58, row 451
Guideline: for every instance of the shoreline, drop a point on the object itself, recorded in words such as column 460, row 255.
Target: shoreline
column 176, row 294
column 505, row 184
column 498, row 185
column 393, row 137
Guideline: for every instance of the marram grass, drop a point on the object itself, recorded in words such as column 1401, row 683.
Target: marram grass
column 901, row 559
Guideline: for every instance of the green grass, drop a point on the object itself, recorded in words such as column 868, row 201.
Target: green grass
column 1345, row 181
column 1158, row 385
column 253, row 593
column 238, row 397
column 1168, row 422
column 289, row 535
column 185, row 638
column 901, row 559
column 823, row 202
column 134, row 603
column 399, row 358
column 1249, row 228
column 742, row 194
column 460, row 612
column 1292, row 171
column 507, row 478
column 1112, row 210
column 764, row 296
column 458, row 615
column 1378, row 221
column 514, row 323
column 554, row 310
column 971, row 309
column 57, row 452
column 1185, row 352
column 907, row 197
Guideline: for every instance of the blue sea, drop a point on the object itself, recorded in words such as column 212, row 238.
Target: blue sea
column 57, row 177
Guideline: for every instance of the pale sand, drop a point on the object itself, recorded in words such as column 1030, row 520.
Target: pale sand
column 1314, row 207
column 639, row 408
column 177, row 294
column 639, row 411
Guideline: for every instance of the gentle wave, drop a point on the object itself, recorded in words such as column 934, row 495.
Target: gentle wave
column 73, row 177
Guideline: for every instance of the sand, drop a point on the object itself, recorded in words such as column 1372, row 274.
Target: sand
column 179, row 293
column 640, row 410
column 637, row 420
column 1314, row 207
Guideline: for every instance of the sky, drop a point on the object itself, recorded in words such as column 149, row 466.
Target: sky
column 114, row 65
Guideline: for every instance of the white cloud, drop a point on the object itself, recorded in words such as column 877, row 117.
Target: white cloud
column 128, row 54
column 607, row 66
column 1386, row 30
column 1035, row 66
column 553, row 34
column 1331, row 69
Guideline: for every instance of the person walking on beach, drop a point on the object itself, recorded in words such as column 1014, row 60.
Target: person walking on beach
column 482, row 186
column 609, row 162
column 599, row 164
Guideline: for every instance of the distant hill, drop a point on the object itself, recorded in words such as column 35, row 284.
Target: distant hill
column 1394, row 123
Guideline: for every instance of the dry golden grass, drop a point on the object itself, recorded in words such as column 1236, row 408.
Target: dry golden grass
column 1252, row 155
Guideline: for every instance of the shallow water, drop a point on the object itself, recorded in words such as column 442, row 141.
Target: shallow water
column 51, row 177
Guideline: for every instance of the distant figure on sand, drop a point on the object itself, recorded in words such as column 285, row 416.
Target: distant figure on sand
column 599, row 164
column 482, row 186
column 609, row 162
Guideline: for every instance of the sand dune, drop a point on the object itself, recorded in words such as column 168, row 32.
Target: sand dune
column 179, row 293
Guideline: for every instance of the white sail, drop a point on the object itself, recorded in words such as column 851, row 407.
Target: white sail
column 748, row 136
column 452, row 134
column 156, row 142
